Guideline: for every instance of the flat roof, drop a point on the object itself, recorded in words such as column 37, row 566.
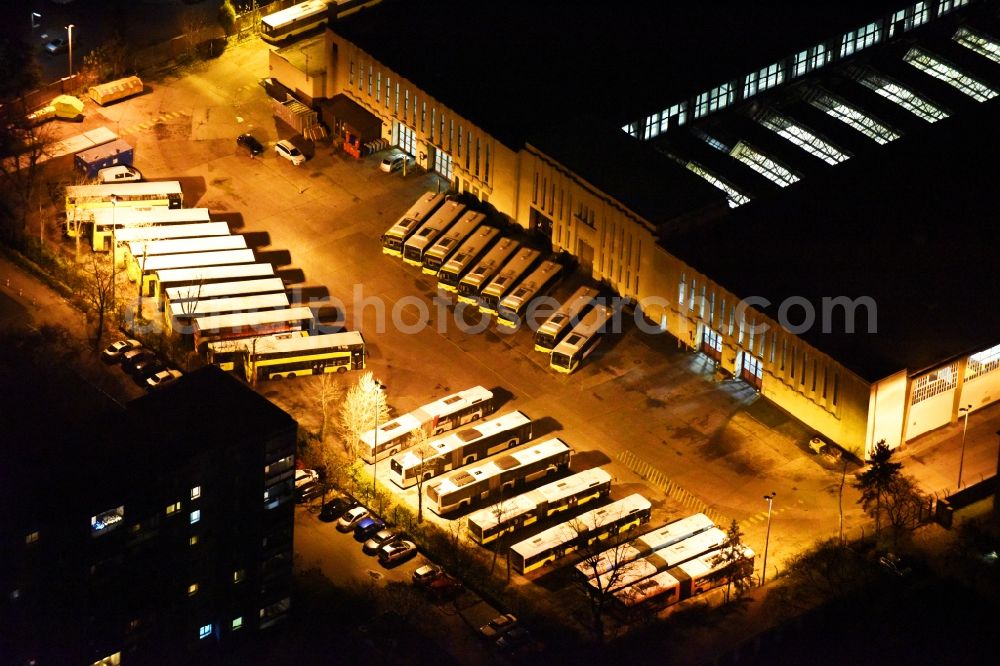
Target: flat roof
column 912, row 226
column 519, row 66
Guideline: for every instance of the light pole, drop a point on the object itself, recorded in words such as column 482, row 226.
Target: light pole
column 379, row 387
column 767, row 538
column 114, row 248
column 961, row 460
column 69, row 31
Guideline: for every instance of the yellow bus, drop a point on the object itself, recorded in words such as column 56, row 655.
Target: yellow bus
column 80, row 199
column 290, row 354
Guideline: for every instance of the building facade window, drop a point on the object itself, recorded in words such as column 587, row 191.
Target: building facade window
column 205, row 631
column 173, row 508
column 32, row 537
column 192, row 589
column 763, row 79
column 195, row 492
column 856, row 40
column 194, row 516
column 237, row 623
column 713, row 100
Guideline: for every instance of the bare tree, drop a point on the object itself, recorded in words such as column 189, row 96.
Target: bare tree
column 497, row 511
column 98, row 294
column 362, row 409
column 415, row 442
column 327, row 392
column 23, row 148
column 903, row 505
column 733, row 563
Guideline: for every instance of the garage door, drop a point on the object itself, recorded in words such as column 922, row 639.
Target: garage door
column 407, row 142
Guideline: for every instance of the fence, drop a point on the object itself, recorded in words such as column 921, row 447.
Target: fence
column 670, row 488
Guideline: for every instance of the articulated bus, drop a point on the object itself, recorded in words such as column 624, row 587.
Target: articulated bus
column 594, row 525
column 109, row 224
column 294, row 20
column 140, row 252
column 525, row 509
column 181, row 315
column 250, row 324
column 684, row 581
column 472, row 283
column 150, row 266
column 434, row 418
column 293, row 354
column 82, row 199
column 581, row 341
column 569, row 314
column 417, row 244
column 648, row 543
column 496, row 475
column 474, row 247
column 660, row 560
column 507, row 279
column 419, row 212
column 460, row 447
column 196, row 278
column 513, row 306
column 438, row 253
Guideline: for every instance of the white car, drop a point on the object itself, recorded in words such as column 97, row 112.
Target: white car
column 163, row 378
column 113, row 353
column 394, row 162
column 288, row 150
column 119, row 174
column 352, row 518
column 304, row 476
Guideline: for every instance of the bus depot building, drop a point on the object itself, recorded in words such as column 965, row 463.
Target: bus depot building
column 763, row 162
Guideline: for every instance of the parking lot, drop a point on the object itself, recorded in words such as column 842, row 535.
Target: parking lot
column 654, row 415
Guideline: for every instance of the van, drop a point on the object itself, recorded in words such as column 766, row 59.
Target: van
column 119, row 174
column 394, row 162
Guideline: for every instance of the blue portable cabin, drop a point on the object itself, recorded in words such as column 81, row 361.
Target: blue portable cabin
column 113, row 153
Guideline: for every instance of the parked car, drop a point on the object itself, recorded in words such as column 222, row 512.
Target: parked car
column 119, row 174
column 304, row 476
column 57, row 45
column 379, row 539
column 351, row 518
column 288, row 150
column 498, row 626
column 163, row 378
column 335, row 508
column 396, row 552
column 426, row 573
column 250, row 142
column 445, row 587
column 517, row 641
column 145, row 368
column 113, row 352
column 309, row 492
column 394, row 162
column 134, row 356
column 367, row 527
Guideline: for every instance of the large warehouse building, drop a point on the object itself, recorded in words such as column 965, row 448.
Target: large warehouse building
column 800, row 191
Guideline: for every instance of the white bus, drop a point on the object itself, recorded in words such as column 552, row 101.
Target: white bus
column 434, row 418
column 140, row 252
column 179, row 317
column 82, row 200
column 421, row 240
column 508, row 277
column 564, row 319
column 438, row 253
column 596, row 524
column 290, row 354
column 496, row 475
column 525, row 509
column 470, row 252
column 538, row 283
column 163, row 231
column 201, row 276
column 250, row 325
column 200, row 292
column 581, row 341
column 459, row 447
column 116, row 224
column 419, row 212
column 661, row 560
column 152, row 265
column 651, row 541
column 684, row 581
column 293, row 21
column 472, row 283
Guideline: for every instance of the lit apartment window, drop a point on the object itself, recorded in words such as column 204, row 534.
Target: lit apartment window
column 193, row 540
column 905, row 98
column 173, row 508
column 196, row 492
column 192, row 589
column 205, row 631
column 239, row 575
column 932, row 66
column 195, row 516
column 237, row 623
column 32, row 537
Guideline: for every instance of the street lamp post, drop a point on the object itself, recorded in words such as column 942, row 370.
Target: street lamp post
column 965, row 427
column 767, row 538
column 69, row 31
column 379, row 387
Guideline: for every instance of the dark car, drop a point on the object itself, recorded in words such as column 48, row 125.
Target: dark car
column 367, row 527
column 335, row 508
column 379, row 539
column 309, row 492
column 146, row 368
column 250, row 142
column 135, row 356
column 57, row 45
column 518, row 641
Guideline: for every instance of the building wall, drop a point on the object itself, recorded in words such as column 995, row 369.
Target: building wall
column 306, row 88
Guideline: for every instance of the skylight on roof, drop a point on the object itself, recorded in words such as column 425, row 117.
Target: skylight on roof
column 984, row 47
column 764, row 165
column 931, row 66
column 865, row 124
column 905, row 98
column 804, row 139
column 735, row 197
